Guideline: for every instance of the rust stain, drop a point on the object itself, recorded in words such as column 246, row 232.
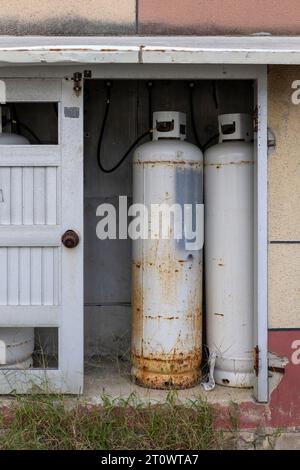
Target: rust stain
column 255, row 353
column 220, row 165
column 178, row 368
column 113, row 50
column 62, row 49
column 137, row 312
column 169, row 163
column 81, row 49
column 159, row 317
column 172, row 371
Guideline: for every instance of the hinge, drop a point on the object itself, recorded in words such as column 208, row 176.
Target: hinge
column 279, row 370
column 77, row 78
column 256, row 360
column 255, row 119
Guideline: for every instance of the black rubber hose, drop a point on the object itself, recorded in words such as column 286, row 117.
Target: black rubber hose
column 110, row 170
column 27, row 129
column 102, row 168
column 14, row 117
column 21, row 125
column 150, row 84
column 210, row 140
column 192, row 88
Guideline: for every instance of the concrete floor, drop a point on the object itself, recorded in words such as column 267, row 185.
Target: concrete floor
column 111, row 378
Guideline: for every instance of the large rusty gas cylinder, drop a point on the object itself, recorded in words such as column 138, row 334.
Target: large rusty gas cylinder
column 167, row 264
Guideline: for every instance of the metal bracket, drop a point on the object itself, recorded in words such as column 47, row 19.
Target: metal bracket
column 77, row 78
column 256, row 360
column 279, row 370
column 271, row 140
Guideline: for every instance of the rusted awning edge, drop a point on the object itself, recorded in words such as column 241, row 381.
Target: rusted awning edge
column 164, row 49
column 60, row 55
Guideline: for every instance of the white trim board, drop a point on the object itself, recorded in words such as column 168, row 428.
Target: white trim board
column 34, row 50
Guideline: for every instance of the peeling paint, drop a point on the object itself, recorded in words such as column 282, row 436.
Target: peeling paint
column 276, row 362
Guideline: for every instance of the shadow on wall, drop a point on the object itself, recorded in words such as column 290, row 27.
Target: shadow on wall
column 75, row 26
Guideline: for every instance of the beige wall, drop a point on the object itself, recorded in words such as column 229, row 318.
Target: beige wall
column 70, row 17
column 284, row 199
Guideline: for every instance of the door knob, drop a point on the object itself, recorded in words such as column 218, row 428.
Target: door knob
column 70, row 239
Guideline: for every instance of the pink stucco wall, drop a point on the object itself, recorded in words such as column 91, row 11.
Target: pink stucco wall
column 283, row 409
column 216, row 17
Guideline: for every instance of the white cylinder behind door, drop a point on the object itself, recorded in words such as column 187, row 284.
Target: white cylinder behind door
column 228, row 183
column 16, row 348
column 16, row 344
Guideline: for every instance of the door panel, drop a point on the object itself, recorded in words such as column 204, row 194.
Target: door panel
column 41, row 196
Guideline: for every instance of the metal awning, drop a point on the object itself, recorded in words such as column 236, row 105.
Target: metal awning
column 39, row 50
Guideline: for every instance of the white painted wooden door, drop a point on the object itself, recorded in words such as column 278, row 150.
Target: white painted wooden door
column 41, row 281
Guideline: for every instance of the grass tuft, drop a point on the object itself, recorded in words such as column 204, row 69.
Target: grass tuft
column 40, row 422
